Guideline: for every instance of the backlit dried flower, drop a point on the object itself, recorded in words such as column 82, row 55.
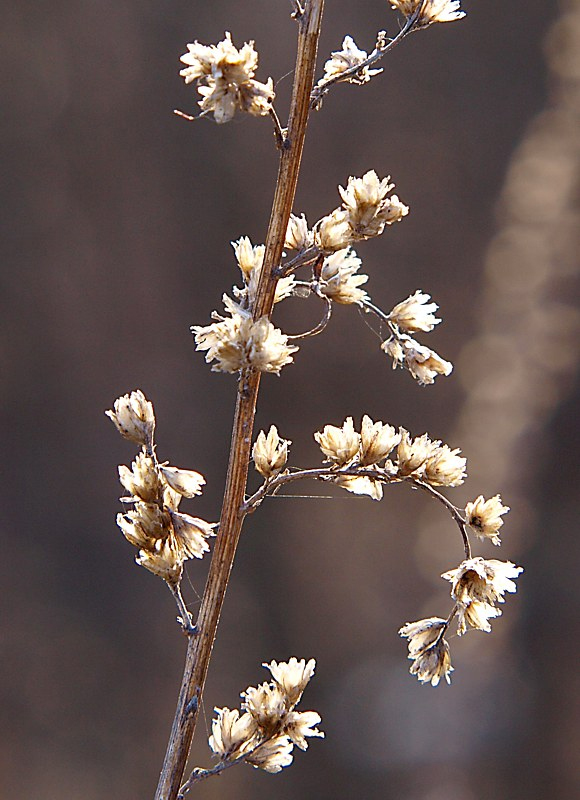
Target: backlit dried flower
column 338, row 278
column 415, row 313
column 485, row 517
column 477, row 584
column 300, row 724
column 368, row 206
column 361, row 485
column 292, row 676
column 428, row 650
column 248, row 256
column 377, row 441
column 445, row 467
column 423, row 363
column 225, row 79
column 191, row 534
column 340, row 445
column 412, row 454
column 142, row 481
column 432, row 11
column 238, row 342
column 134, row 418
column 346, row 58
column 186, row 482
column 273, row 755
column 270, row 452
column 333, row 232
column 267, row 704
column 298, row 237
column 165, row 560
column 232, row 734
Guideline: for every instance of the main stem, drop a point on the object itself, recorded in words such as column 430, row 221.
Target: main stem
column 199, row 647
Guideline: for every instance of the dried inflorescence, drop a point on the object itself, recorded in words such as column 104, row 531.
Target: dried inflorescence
column 268, row 726
column 225, row 79
column 164, row 536
column 346, row 59
column 429, row 10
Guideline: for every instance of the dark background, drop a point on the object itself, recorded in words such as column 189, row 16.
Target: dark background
column 117, row 218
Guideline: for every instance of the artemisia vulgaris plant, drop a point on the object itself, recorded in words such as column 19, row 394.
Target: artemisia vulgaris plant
column 319, row 260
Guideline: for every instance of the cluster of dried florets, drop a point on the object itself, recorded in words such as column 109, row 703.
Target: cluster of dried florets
column 362, row 463
column 351, row 59
column 477, row 585
column 164, row 536
column 268, row 727
column 225, row 79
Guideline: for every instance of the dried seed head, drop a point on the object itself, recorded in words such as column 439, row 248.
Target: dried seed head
column 298, row 237
column 361, row 484
column 267, row 704
column 270, row 453
column 300, row 724
column 166, row 560
column 445, row 467
column 338, row 278
column 340, row 445
column 191, row 534
column 415, row 313
column 432, row 11
column 485, row 517
column 423, row 363
column 342, row 60
column 133, row 417
column 185, row 482
column 368, row 207
column 292, row 677
column 142, row 480
column 377, row 441
column 412, row 454
column 273, row 755
column 333, row 232
column 232, row 734
column 428, row 650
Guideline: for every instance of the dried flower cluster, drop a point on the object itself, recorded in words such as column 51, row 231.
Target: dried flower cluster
column 164, row 536
column 346, row 59
column 267, row 729
column 430, row 10
column 225, row 79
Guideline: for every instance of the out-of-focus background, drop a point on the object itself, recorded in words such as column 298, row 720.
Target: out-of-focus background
column 117, row 218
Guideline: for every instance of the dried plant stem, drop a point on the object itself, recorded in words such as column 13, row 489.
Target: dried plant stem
column 199, row 647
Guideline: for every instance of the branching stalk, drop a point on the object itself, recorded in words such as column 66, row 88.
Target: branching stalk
column 199, row 647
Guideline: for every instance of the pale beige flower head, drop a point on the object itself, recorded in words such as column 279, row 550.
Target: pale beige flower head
column 133, row 417
column 273, row 755
column 232, row 734
column 165, row 560
column 342, row 60
column 415, row 313
column 225, row 79
column 248, row 256
column 432, row 11
column 445, row 467
column 152, row 519
column 185, row 482
column 270, row 453
column 339, row 280
column 423, row 363
column 191, row 534
column 142, row 481
column 340, row 445
column 237, row 342
column 428, row 650
column 300, row 724
column 292, row 677
column 484, row 517
column 267, row 703
column 477, row 585
column 298, row 237
column 333, row 232
column 368, row 206
column 361, row 485
column 377, row 441
column 412, row 454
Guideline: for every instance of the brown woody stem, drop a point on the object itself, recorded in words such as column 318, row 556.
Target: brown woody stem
column 199, row 648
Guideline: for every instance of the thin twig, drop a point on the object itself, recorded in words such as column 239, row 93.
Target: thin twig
column 199, row 648
column 380, row 50
column 323, row 322
column 453, row 510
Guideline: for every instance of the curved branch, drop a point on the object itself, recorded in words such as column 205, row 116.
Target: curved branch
column 323, row 322
column 453, row 510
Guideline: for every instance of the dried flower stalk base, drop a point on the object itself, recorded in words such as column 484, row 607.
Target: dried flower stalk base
column 244, row 341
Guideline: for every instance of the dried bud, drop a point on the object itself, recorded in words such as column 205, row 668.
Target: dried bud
column 367, row 206
column 134, row 418
column 142, row 481
column 184, row 481
column 340, row 445
column 333, row 231
column 338, row 278
column 428, row 650
column 248, row 256
column 485, row 517
column 412, row 454
column 270, row 453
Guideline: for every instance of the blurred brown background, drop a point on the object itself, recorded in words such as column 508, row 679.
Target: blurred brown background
column 117, row 218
